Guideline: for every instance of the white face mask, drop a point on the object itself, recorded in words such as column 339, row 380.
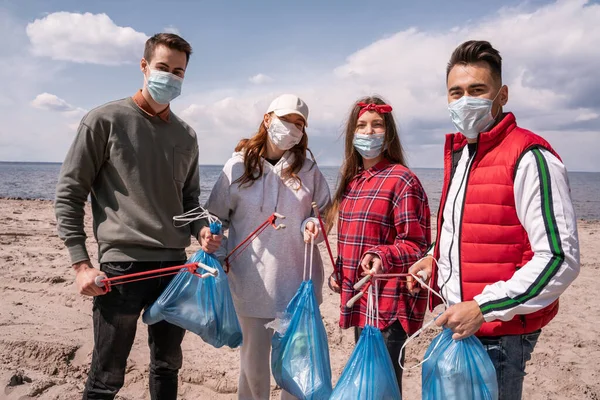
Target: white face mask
column 472, row 115
column 284, row 135
column 369, row 146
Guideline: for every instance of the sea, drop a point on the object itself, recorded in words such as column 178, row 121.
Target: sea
column 30, row 180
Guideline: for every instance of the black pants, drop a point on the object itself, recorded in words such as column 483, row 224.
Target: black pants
column 115, row 317
column 394, row 337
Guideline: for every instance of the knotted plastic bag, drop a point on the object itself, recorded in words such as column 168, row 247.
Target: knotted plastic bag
column 454, row 369
column 200, row 305
column 458, row 370
column 369, row 374
column 300, row 352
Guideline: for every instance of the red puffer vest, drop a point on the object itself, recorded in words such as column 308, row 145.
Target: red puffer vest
column 493, row 244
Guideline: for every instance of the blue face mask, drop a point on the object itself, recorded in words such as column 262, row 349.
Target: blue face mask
column 163, row 86
column 369, row 146
column 472, row 115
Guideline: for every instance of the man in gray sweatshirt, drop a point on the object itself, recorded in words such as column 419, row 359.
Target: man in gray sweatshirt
column 139, row 162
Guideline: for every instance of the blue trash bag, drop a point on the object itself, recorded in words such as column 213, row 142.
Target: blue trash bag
column 369, row 373
column 458, row 370
column 200, row 305
column 300, row 352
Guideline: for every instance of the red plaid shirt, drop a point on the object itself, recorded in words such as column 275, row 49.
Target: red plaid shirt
column 384, row 211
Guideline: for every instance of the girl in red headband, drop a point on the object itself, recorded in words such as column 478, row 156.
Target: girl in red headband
column 383, row 224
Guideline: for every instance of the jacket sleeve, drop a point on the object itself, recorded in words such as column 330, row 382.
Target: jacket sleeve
column 544, row 206
column 322, row 197
column 412, row 222
column 78, row 172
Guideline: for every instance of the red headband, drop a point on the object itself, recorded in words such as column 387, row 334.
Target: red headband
column 378, row 108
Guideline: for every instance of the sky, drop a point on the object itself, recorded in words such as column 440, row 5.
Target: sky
column 61, row 59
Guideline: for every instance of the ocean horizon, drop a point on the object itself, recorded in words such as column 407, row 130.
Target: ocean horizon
column 37, row 180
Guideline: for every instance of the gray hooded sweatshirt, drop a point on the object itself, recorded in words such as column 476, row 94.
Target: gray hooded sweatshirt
column 265, row 276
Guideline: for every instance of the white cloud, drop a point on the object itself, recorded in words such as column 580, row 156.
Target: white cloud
column 548, row 65
column 260, row 79
column 171, row 29
column 28, row 135
column 551, row 75
column 51, row 102
column 586, row 115
column 84, row 38
column 221, row 124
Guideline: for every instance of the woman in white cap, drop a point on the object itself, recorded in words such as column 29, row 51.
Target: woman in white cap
column 269, row 173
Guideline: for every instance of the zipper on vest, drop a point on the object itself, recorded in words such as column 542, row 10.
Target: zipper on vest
column 462, row 216
column 440, row 222
column 445, row 196
column 462, row 181
column 523, row 320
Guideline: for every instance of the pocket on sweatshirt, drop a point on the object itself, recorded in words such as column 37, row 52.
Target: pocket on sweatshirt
column 181, row 163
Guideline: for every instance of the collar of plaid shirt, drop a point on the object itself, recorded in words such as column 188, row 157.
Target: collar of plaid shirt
column 375, row 169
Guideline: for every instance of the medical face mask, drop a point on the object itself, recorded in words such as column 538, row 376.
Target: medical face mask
column 472, row 115
column 163, row 86
column 369, row 146
column 284, row 135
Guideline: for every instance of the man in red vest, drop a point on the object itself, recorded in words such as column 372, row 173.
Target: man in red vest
column 507, row 243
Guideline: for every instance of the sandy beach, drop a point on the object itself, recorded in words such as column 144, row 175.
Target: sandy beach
column 46, row 326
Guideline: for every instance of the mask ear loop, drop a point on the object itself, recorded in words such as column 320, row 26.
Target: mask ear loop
column 493, row 100
column 427, row 325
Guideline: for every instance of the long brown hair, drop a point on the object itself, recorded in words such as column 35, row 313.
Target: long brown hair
column 256, row 147
column 353, row 164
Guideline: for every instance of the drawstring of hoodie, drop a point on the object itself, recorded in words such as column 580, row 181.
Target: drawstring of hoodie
column 272, row 168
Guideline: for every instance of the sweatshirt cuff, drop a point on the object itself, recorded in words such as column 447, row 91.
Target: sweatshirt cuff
column 481, row 299
column 316, row 222
column 78, row 252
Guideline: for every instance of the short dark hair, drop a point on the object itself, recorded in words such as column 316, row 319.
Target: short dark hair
column 475, row 51
column 171, row 40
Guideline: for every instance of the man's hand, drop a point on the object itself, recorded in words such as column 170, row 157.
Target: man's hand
column 85, row 279
column 311, row 230
column 426, row 264
column 209, row 242
column 371, row 264
column 464, row 319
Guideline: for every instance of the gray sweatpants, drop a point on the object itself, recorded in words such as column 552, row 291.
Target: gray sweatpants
column 255, row 365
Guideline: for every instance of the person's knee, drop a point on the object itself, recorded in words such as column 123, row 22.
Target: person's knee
column 168, row 365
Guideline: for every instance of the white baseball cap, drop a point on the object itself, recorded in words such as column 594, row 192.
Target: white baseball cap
column 289, row 104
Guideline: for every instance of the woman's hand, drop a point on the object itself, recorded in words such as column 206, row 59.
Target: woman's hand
column 371, row 264
column 311, row 231
column 333, row 284
column 209, row 242
column 426, row 265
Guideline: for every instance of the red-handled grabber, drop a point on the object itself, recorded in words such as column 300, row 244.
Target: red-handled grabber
column 103, row 281
column 336, row 272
